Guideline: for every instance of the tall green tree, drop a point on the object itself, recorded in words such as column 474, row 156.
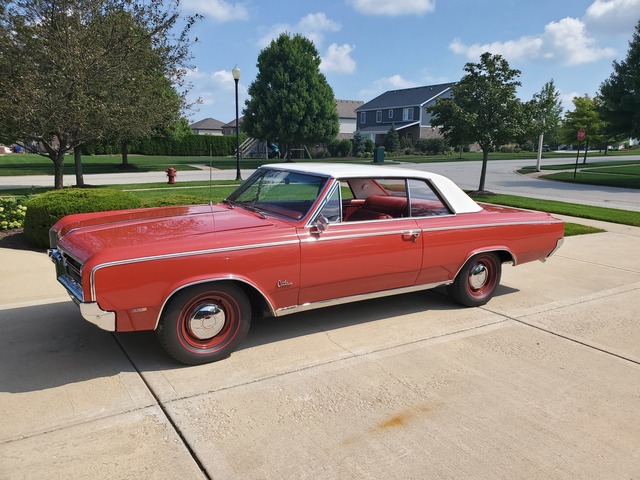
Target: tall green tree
column 484, row 107
column 81, row 70
column 543, row 115
column 585, row 116
column 392, row 140
column 290, row 100
column 620, row 93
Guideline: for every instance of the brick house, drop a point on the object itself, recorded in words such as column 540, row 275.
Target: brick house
column 403, row 108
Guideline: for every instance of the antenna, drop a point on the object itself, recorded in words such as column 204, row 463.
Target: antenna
column 210, row 183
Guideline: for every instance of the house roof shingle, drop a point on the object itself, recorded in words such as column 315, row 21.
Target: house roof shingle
column 406, row 97
column 207, row 124
column 347, row 108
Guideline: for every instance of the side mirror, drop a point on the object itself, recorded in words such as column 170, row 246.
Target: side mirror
column 320, row 225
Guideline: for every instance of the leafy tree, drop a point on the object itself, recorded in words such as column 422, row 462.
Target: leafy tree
column 484, row 107
column 547, row 111
column 584, row 115
column 291, row 101
column 392, row 140
column 620, row 93
column 81, row 70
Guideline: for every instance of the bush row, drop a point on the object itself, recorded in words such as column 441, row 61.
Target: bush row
column 189, row 145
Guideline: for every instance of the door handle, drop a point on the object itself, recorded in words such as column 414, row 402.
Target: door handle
column 413, row 236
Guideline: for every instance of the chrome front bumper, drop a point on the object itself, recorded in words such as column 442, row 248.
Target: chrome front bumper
column 90, row 311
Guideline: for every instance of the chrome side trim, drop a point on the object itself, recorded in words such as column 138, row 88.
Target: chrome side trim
column 355, row 298
column 482, row 225
column 558, row 245
column 180, row 255
column 316, row 238
column 94, row 314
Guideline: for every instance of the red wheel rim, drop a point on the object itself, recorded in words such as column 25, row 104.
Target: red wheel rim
column 482, row 277
column 208, row 322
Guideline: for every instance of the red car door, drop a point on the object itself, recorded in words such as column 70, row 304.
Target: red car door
column 354, row 258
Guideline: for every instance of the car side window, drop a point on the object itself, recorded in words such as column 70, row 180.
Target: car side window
column 332, row 211
column 425, row 202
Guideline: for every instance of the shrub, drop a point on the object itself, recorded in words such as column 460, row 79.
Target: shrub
column 432, row 146
column 12, row 213
column 46, row 209
column 344, row 147
column 369, row 145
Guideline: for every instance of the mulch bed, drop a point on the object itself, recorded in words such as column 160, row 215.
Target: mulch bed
column 16, row 240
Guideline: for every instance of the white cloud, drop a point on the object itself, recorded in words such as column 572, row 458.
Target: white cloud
column 522, row 48
column 215, row 89
column 566, row 41
column 219, row 10
column 394, row 82
column 569, row 42
column 613, row 16
column 338, row 59
column 394, row 8
column 312, row 26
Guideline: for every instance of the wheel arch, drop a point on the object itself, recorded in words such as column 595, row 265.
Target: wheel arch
column 504, row 253
column 259, row 302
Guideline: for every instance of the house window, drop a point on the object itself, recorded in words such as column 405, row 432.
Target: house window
column 379, row 116
column 407, row 114
column 390, row 113
column 363, row 117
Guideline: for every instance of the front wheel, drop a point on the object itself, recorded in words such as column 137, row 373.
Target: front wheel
column 205, row 323
column 476, row 283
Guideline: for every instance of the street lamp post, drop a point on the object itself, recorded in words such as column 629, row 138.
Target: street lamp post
column 236, row 78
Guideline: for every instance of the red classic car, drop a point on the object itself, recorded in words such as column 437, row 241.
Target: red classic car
column 292, row 237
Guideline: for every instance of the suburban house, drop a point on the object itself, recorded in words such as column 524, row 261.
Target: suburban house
column 347, row 117
column 208, row 126
column 230, row 128
column 403, row 108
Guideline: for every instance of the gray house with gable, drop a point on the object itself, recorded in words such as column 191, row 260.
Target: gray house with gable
column 403, row 108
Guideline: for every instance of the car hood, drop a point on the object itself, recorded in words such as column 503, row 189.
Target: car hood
column 157, row 231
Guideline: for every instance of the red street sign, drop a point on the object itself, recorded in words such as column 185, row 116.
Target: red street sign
column 581, row 134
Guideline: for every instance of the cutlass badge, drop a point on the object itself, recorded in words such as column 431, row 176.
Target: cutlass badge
column 284, row 283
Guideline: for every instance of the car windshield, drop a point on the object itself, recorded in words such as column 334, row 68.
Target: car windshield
column 278, row 192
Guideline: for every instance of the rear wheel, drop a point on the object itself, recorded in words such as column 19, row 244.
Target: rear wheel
column 205, row 323
column 477, row 281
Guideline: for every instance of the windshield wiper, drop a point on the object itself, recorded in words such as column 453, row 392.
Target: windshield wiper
column 251, row 207
column 231, row 203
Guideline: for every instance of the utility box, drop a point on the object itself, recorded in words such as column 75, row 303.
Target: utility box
column 378, row 155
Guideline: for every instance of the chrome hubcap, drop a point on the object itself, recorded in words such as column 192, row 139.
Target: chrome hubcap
column 207, row 321
column 478, row 276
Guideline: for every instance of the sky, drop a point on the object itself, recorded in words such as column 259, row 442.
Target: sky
column 368, row 47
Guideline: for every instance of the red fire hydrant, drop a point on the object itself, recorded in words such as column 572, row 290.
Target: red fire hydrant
column 171, row 173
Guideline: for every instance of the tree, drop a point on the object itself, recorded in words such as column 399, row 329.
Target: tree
column 358, row 144
column 80, row 70
column 392, row 140
column 620, row 93
column 291, row 101
column 484, row 107
column 543, row 115
column 583, row 116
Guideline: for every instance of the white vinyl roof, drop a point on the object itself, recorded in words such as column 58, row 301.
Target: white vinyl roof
column 459, row 201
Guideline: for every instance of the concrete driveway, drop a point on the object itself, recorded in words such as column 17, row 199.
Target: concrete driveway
column 543, row 382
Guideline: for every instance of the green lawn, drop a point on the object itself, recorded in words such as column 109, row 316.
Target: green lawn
column 612, row 215
column 30, row 164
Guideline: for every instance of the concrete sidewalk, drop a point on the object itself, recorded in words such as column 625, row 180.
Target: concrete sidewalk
column 540, row 383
